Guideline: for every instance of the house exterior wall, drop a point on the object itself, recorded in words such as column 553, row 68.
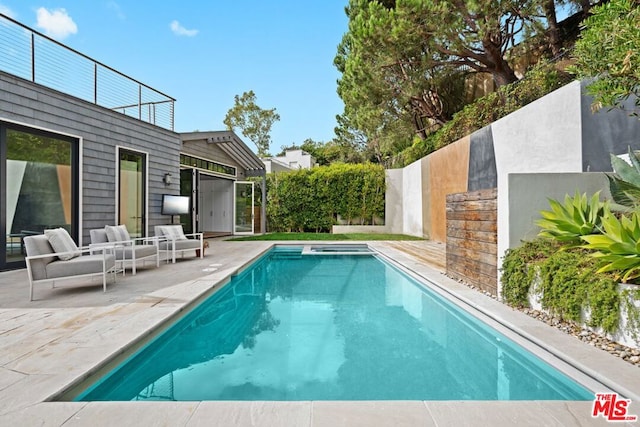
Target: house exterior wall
column 272, row 165
column 297, row 159
column 101, row 131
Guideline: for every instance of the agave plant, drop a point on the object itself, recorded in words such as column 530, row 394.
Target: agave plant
column 618, row 247
column 577, row 217
column 625, row 183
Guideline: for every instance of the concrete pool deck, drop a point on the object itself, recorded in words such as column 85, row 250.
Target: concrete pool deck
column 54, row 342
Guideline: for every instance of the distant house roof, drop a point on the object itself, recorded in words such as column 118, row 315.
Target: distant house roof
column 232, row 145
column 275, row 162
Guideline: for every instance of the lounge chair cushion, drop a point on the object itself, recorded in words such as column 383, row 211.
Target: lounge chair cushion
column 61, row 241
column 87, row 264
column 142, row 251
column 98, row 235
column 173, row 232
column 39, row 245
column 117, row 233
column 181, row 245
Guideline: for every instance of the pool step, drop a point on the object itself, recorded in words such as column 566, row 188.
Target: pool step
column 338, row 249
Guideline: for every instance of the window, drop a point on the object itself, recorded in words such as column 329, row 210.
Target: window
column 132, row 199
column 39, row 187
column 207, row 165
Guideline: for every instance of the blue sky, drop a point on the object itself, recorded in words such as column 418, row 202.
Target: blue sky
column 204, row 52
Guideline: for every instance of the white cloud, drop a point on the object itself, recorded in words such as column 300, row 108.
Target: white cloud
column 6, row 11
column 179, row 30
column 115, row 7
column 57, row 23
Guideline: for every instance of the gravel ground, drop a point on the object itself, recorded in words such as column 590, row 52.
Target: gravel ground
column 628, row 354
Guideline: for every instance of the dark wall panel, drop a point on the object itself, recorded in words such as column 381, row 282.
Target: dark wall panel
column 605, row 132
column 482, row 161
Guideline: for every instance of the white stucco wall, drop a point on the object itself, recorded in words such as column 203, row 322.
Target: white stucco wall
column 412, row 200
column 544, row 136
column 393, row 217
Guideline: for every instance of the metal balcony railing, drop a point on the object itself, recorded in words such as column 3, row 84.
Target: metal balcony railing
column 31, row 55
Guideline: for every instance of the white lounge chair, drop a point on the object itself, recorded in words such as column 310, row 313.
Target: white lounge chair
column 128, row 251
column 172, row 240
column 66, row 261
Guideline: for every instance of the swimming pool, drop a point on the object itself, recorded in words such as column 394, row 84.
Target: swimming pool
column 331, row 327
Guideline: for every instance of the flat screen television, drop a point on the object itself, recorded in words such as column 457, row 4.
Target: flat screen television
column 175, row 205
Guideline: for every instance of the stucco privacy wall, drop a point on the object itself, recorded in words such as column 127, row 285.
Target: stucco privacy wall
column 529, row 194
column 100, row 130
column 555, row 134
column 544, row 136
column 394, row 201
column 413, row 200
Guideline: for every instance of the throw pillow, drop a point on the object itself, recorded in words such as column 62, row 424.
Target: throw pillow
column 61, row 241
column 173, row 232
column 117, row 233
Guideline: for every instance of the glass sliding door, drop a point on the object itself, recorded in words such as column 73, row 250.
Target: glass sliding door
column 187, row 188
column 39, row 187
column 243, row 207
column 132, row 184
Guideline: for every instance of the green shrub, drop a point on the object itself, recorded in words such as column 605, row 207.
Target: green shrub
column 625, row 183
column 577, row 217
column 569, row 282
column 311, row 199
column 618, row 247
column 518, row 269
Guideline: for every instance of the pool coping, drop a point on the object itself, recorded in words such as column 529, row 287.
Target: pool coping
column 25, row 387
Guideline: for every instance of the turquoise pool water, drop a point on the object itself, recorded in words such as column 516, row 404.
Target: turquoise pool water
column 327, row 327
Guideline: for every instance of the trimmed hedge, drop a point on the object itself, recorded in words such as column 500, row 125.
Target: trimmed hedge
column 311, row 199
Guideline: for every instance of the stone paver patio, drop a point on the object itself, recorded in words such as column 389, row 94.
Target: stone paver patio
column 56, row 341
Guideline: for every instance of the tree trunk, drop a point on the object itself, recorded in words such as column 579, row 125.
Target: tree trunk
column 586, row 6
column 552, row 31
column 495, row 63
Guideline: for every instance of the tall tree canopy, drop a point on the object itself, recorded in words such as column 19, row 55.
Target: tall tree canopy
column 254, row 122
column 404, row 63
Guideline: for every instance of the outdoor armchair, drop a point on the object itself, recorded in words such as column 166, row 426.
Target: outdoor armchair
column 172, row 240
column 128, row 251
column 54, row 256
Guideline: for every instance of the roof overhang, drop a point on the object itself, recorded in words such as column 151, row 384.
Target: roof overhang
column 233, row 146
